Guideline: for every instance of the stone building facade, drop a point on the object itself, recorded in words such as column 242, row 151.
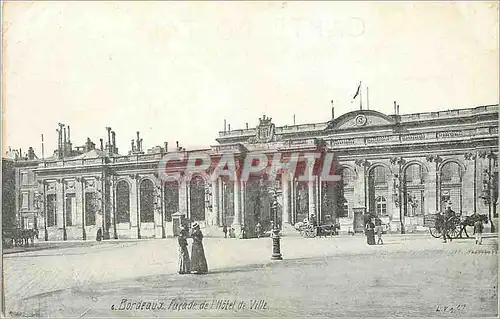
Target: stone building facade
column 399, row 167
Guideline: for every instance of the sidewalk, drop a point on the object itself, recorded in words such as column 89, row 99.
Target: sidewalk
column 51, row 245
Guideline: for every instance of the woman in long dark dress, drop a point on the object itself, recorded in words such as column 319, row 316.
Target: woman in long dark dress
column 184, row 262
column 198, row 260
column 370, row 232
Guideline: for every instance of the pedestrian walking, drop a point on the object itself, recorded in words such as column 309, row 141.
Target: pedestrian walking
column 98, row 222
column 198, row 260
column 448, row 213
column 378, row 230
column 184, row 262
column 370, row 232
column 258, row 229
column 478, row 229
column 224, row 230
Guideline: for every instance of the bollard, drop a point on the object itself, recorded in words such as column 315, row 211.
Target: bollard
column 276, row 245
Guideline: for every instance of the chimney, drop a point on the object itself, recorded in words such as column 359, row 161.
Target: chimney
column 138, row 142
column 246, row 125
column 69, row 134
column 224, row 125
column 109, row 139
column 140, row 145
column 229, row 127
column 177, row 144
column 102, row 147
column 166, row 146
column 65, row 148
column 113, row 142
column 398, row 109
column 395, row 108
column 133, row 146
column 31, row 153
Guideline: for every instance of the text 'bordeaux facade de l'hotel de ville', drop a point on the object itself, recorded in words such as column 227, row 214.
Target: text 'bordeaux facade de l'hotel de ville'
column 398, row 166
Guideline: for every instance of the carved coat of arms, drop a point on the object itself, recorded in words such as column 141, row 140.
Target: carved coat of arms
column 265, row 131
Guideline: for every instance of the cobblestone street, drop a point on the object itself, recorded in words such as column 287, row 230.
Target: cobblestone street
column 413, row 275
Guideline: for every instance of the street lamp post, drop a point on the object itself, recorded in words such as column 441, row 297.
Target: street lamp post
column 398, row 187
column 158, row 204
column 275, row 232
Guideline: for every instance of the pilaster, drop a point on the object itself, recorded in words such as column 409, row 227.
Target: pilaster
column 285, row 182
column 215, row 203
column 237, row 194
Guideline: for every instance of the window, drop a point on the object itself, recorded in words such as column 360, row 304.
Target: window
column 147, row 201
column 90, row 208
column 70, row 209
column 378, row 175
column 381, row 204
column 450, row 173
column 414, row 174
column 171, row 196
column 25, row 200
column 123, row 202
column 24, row 178
column 348, row 176
column 51, row 210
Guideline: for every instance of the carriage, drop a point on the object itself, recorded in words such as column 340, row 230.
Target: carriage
column 456, row 225
column 309, row 230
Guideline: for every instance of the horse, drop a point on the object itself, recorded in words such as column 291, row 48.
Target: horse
column 470, row 220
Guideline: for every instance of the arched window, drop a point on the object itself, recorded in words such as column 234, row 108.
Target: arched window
column 381, row 204
column 414, row 174
column 197, row 198
column 171, row 197
column 348, row 176
column 379, row 175
column 122, row 202
column 147, row 196
column 450, row 173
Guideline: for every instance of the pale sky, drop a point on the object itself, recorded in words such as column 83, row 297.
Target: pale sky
column 175, row 70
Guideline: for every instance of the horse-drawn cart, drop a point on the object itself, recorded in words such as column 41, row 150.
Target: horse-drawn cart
column 309, row 230
column 456, row 225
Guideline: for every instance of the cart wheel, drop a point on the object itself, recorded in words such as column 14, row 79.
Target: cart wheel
column 435, row 232
column 453, row 227
column 310, row 233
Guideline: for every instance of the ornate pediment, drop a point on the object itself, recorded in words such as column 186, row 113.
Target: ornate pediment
column 360, row 119
column 265, row 131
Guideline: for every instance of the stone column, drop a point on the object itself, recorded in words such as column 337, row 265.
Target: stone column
column 183, row 200
column 286, row 201
column 312, row 197
column 431, row 189
column 242, row 203
column 60, row 204
column 468, row 188
column 134, row 208
column 237, row 193
column 220, row 198
column 215, row 203
column 292, row 200
column 360, row 189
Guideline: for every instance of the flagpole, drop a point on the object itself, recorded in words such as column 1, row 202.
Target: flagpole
column 367, row 99
column 360, row 96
